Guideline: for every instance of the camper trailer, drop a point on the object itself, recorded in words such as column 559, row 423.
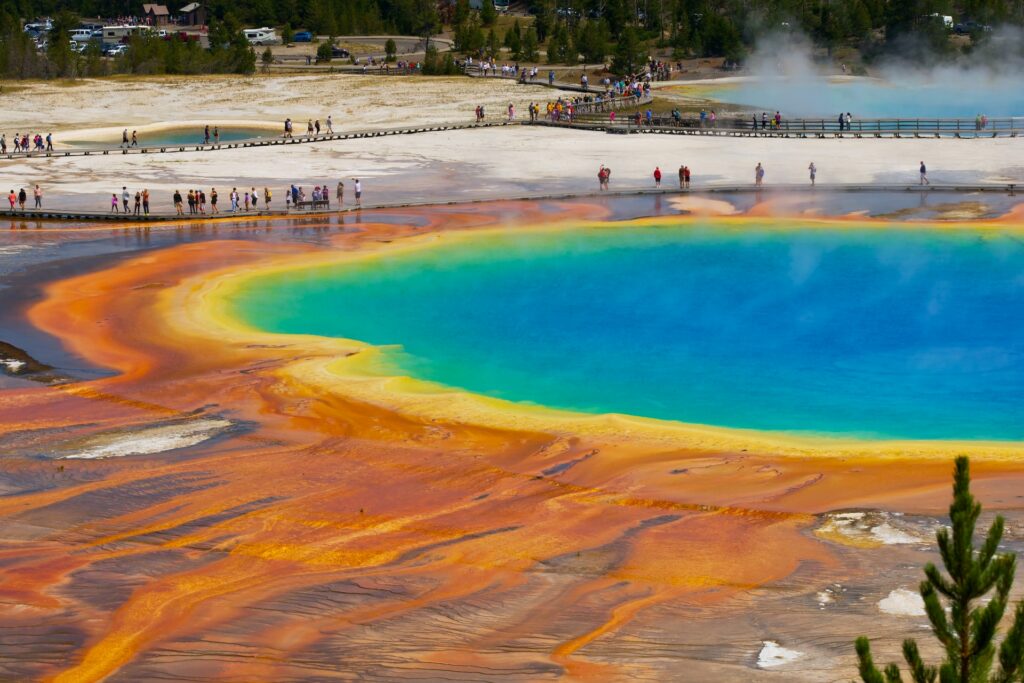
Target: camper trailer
column 120, row 35
column 261, row 36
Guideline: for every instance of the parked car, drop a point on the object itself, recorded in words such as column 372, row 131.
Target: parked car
column 339, row 52
column 969, row 27
column 302, row 37
column 115, row 50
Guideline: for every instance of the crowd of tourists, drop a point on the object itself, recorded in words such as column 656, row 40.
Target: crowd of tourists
column 199, row 202
column 313, row 127
column 27, row 142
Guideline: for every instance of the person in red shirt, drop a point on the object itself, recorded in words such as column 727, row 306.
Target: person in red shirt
column 657, row 176
column 686, row 176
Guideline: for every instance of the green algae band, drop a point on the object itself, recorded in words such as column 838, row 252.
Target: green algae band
column 895, row 333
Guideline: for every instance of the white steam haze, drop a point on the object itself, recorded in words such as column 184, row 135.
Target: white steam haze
column 784, row 76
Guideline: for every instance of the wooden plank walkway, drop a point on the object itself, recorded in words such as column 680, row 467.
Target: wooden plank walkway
column 803, row 188
column 250, row 142
column 630, row 128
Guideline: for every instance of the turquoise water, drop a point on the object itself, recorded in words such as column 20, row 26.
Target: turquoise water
column 881, row 333
column 955, row 97
column 184, row 136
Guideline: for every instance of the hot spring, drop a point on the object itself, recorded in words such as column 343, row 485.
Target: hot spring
column 944, row 94
column 901, row 332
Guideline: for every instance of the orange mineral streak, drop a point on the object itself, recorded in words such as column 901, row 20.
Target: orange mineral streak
column 330, row 533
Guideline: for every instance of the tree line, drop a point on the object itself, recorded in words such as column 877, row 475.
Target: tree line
column 559, row 31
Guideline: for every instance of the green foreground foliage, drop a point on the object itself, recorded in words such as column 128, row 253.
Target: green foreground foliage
column 968, row 629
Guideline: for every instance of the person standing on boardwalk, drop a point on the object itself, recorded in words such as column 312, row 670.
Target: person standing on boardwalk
column 340, row 194
column 330, row 125
column 253, row 196
column 201, row 194
column 49, row 142
column 135, row 138
column 145, row 201
column 246, row 200
column 125, row 198
column 38, row 194
column 924, row 174
column 216, row 135
column 12, row 198
column 213, row 200
column 316, row 125
column 206, row 134
column 124, row 138
column 22, row 198
column 686, row 176
column 813, row 170
column 113, row 203
column 682, row 177
column 138, row 202
column 657, row 176
column 191, row 199
column 266, row 198
column 233, row 198
column 177, row 203
column 842, row 122
column 3, row 143
column 759, row 174
column 359, row 191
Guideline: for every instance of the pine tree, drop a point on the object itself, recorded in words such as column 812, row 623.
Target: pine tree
column 488, row 14
column 528, row 53
column 968, row 632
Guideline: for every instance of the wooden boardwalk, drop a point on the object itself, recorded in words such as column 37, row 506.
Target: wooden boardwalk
column 63, row 215
column 250, row 142
column 810, row 131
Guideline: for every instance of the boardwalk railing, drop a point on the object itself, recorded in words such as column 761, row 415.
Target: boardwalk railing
column 962, row 128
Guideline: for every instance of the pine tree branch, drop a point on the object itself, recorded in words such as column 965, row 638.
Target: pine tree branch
column 918, row 671
column 1011, row 652
column 868, row 672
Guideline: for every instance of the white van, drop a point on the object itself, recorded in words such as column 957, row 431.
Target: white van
column 261, row 36
column 81, row 35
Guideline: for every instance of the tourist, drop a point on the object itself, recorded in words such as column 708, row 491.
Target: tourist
column 191, row 199
column 252, row 197
column 330, row 125
column 288, row 200
column 682, row 177
column 924, row 174
column 316, row 125
column 309, row 127
column 124, row 138
column 206, row 134
column 125, row 198
column 294, row 191
column 202, row 201
column 145, row 201
column 113, row 203
column 764, row 120
column 216, row 135
column 213, row 200
column 340, row 194
column 686, row 176
column 37, row 193
column 138, row 202
column 3, row 144
column 759, row 174
column 842, row 122
column 266, row 190
column 778, row 120
column 657, row 176
column 22, row 198
column 17, row 142
column 287, row 128
column 511, row 112
column 849, row 120
column 12, row 198
column 813, row 170
column 177, row 203
column 49, row 142
column 135, row 139
column 246, row 200
column 233, row 198
column 713, row 117
column 359, row 191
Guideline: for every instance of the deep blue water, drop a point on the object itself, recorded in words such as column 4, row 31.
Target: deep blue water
column 875, row 333
column 953, row 95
